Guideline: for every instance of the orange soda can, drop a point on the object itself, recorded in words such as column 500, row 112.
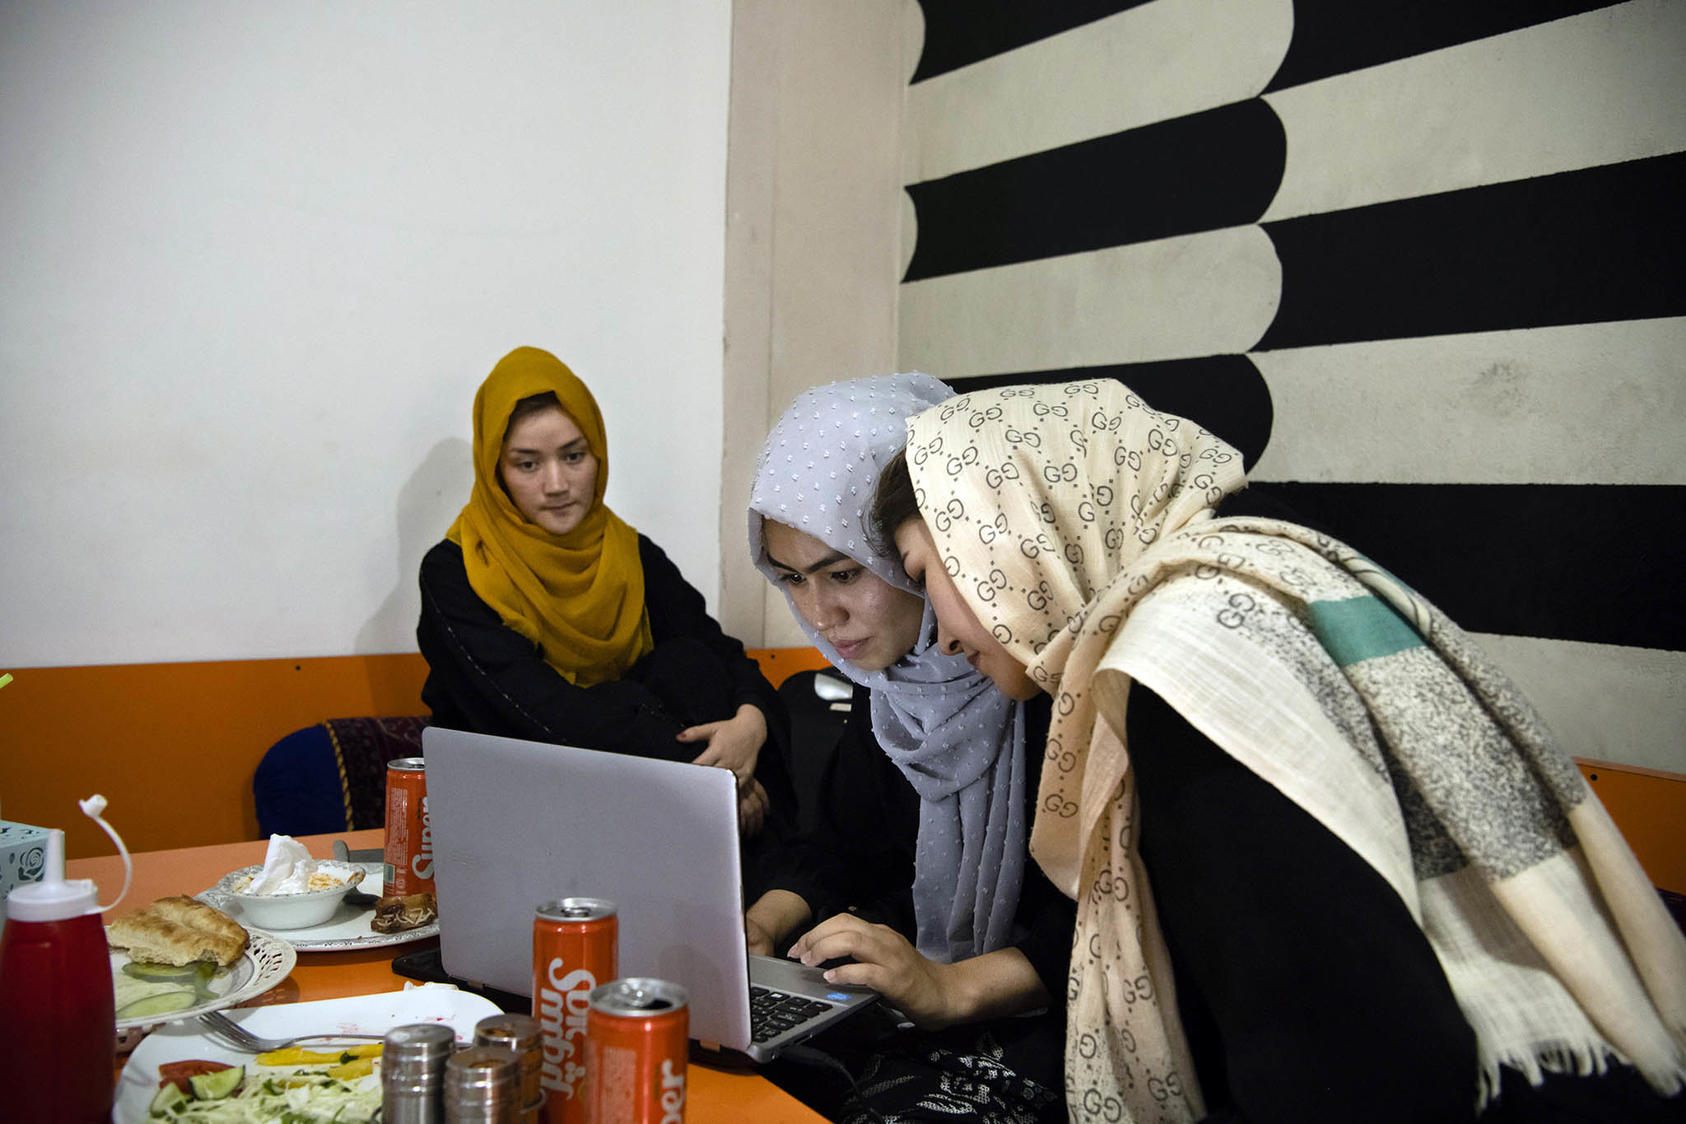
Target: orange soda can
column 576, row 943
column 636, row 1053
column 409, row 830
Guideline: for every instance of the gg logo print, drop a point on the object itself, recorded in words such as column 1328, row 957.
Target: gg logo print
column 949, row 514
column 1109, row 885
column 954, row 406
column 1034, row 547
column 1039, row 598
column 958, row 462
column 1238, row 606
column 997, row 475
column 1056, row 804
column 988, row 586
column 1060, row 473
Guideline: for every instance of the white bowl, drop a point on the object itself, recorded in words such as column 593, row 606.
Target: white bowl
column 292, row 911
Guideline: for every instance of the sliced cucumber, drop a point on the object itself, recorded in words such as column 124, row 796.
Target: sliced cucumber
column 216, row 1086
column 160, row 1004
column 203, row 973
column 167, row 1098
column 141, row 970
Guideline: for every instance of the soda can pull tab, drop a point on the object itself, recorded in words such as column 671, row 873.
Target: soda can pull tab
column 92, row 807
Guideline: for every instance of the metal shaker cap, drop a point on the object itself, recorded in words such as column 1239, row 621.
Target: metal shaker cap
column 482, row 1083
column 417, row 1042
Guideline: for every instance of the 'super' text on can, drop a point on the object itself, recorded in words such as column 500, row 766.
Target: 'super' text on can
column 409, row 830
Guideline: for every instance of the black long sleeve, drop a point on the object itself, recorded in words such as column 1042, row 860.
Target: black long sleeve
column 677, row 609
column 857, row 851
column 484, row 676
column 1307, row 990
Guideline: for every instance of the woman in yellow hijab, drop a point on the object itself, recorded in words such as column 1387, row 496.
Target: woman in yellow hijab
column 545, row 616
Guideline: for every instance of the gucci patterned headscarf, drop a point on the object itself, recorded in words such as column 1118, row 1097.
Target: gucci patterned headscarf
column 957, row 740
column 1079, row 525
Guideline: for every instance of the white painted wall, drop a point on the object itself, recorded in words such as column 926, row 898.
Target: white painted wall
column 813, row 236
column 259, row 256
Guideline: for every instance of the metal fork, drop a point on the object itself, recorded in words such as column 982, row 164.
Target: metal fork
column 232, row 1034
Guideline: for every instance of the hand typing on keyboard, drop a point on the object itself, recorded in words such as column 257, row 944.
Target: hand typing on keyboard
column 876, row 956
column 929, row 992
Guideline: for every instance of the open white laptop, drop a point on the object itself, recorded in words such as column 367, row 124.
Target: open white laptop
column 515, row 824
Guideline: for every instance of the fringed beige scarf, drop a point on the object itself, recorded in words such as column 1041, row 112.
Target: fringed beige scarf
column 1079, row 524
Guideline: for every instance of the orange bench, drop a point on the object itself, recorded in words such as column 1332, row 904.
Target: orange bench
column 173, row 747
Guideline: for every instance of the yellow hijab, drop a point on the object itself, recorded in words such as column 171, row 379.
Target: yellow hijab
column 579, row 596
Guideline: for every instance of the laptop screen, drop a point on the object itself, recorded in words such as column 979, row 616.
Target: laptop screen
column 515, row 824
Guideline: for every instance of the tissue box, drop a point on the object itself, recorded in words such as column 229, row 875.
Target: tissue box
column 23, row 853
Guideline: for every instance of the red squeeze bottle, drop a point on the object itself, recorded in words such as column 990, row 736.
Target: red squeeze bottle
column 56, row 1000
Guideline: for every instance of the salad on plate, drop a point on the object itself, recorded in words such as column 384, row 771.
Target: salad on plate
column 212, row 1082
column 292, row 1086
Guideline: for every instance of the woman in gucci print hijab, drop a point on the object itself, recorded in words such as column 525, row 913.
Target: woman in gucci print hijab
column 1328, row 862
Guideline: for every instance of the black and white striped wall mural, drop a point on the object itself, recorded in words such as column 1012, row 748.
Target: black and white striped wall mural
column 1420, row 259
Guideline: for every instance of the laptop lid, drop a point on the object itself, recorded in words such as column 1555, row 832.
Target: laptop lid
column 515, row 824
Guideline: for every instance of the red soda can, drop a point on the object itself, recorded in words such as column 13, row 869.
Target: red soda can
column 409, row 830
column 576, row 946
column 636, row 1053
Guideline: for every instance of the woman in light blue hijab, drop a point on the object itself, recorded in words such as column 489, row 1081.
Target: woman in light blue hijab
column 929, row 737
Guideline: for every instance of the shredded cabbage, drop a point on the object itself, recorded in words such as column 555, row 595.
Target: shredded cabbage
column 267, row 1096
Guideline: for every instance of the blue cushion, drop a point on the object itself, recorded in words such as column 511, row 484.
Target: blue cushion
column 297, row 786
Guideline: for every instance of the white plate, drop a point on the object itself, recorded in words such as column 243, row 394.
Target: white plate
column 348, row 928
column 362, row 1014
column 265, row 963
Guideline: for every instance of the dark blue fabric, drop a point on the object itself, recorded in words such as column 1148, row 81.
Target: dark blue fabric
column 297, row 786
column 304, row 783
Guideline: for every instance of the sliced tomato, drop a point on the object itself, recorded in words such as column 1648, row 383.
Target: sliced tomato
column 180, row 1073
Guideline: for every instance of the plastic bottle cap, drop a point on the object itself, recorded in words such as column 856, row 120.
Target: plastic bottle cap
column 54, row 898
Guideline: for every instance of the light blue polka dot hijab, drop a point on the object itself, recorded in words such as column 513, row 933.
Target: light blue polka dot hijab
column 958, row 740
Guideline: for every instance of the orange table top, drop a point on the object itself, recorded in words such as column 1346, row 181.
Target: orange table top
column 716, row 1095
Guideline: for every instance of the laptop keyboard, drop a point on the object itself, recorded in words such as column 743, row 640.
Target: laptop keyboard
column 771, row 1013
